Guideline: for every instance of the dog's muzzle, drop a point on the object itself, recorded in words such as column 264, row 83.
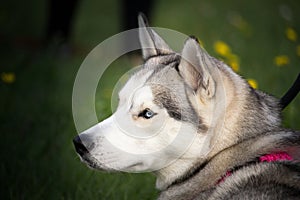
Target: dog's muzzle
column 80, row 148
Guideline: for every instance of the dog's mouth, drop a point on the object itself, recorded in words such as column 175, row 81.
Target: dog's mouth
column 85, row 156
column 92, row 163
column 132, row 167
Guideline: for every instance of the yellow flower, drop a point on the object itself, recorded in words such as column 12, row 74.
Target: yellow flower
column 235, row 66
column 8, row 77
column 291, row 34
column 222, row 48
column 234, row 62
column 227, row 56
column 253, row 83
column 281, row 60
column 298, row 50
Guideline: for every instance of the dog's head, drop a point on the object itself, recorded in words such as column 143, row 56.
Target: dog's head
column 168, row 112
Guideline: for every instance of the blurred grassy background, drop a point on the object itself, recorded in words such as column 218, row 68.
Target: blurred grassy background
column 38, row 159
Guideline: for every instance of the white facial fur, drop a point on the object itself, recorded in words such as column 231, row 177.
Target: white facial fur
column 128, row 142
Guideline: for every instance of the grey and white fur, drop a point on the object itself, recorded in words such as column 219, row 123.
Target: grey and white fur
column 231, row 123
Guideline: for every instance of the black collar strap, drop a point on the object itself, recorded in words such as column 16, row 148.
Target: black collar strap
column 291, row 93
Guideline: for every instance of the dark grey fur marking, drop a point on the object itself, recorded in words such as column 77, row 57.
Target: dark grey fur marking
column 164, row 98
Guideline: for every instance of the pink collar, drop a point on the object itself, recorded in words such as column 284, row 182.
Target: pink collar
column 277, row 156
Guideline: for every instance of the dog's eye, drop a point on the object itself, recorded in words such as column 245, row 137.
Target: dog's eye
column 147, row 113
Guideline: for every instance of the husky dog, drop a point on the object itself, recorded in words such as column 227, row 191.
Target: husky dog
column 200, row 127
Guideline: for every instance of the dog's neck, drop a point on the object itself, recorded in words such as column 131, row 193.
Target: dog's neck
column 183, row 167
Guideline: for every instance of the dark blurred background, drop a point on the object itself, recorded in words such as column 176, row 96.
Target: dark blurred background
column 43, row 43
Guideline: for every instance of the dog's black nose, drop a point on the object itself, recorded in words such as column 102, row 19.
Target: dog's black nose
column 80, row 148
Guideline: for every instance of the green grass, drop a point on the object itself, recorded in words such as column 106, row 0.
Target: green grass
column 38, row 159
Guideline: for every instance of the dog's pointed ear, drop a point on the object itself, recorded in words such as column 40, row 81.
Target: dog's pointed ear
column 151, row 43
column 196, row 66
